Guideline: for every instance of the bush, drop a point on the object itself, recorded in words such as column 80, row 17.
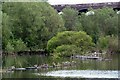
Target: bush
column 66, row 50
column 63, row 39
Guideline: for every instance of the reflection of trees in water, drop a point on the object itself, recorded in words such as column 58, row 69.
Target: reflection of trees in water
column 13, row 61
column 30, row 61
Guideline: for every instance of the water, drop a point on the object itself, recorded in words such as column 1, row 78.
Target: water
column 83, row 68
column 82, row 73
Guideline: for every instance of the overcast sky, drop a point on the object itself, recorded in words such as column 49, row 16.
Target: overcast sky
column 79, row 1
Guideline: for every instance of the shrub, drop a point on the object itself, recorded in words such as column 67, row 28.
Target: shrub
column 63, row 39
column 67, row 50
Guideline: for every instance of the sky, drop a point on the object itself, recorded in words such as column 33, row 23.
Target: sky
column 53, row 2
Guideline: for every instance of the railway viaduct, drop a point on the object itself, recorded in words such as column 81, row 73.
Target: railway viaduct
column 84, row 7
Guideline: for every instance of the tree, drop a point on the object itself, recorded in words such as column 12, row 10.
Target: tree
column 103, row 22
column 113, row 46
column 100, row 17
column 103, row 42
column 79, row 39
column 15, row 46
column 90, row 26
column 6, row 30
column 0, row 29
column 33, row 23
column 70, row 17
column 108, row 43
column 111, row 25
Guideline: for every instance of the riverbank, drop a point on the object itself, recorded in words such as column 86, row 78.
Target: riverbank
column 29, row 61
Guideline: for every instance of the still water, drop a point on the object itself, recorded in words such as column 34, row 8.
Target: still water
column 82, row 68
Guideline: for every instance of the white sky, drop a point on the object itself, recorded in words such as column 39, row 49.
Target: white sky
column 79, row 1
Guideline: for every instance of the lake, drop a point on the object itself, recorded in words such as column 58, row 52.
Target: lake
column 81, row 69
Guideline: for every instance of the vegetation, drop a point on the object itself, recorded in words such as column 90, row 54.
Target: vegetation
column 70, row 17
column 67, row 41
column 33, row 23
column 113, row 45
column 103, row 42
column 101, row 23
column 66, row 50
column 35, row 26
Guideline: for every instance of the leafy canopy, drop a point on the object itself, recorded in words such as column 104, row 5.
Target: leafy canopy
column 79, row 39
column 33, row 23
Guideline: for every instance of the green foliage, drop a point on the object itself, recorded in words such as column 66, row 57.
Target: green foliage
column 90, row 26
column 79, row 39
column 111, row 25
column 103, row 22
column 103, row 42
column 108, row 43
column 32, row 26
column 15, row 46
column 70, row 17
column 9, row 47
column 19, row 45
column 6, row 30
column 67, row 50
column 35, row 23
column 113, row 45
column 0, row 37
column 107, row 21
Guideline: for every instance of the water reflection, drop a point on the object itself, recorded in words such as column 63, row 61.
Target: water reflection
column 95, row 66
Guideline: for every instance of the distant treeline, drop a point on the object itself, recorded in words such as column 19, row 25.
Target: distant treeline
column 31, row 26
